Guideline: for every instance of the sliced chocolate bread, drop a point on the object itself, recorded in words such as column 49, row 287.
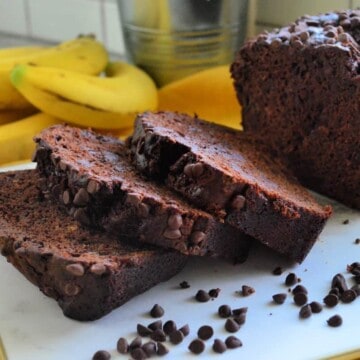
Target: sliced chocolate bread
column 92, row 176
column 87, row 272
column 226, row 173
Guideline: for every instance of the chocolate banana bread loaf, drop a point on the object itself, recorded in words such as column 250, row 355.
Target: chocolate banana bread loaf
column 299, row 87
column 226, row 173
column 93, row 178
column 87, row 272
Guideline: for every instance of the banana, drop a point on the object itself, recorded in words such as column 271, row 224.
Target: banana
column 9, row 57
column 84, row 55
column 16, row 138
column 99, row 102
column 7, row 116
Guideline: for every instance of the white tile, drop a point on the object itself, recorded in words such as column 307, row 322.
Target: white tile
column 281, row 12
column 114, row 38
column 64, row 19
column 355, row 4
column 12, row 17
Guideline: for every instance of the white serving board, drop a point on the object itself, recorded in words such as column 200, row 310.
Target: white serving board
column 32, row 326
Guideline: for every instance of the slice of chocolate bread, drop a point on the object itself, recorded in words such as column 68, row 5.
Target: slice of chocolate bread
column 87, row 272
column 299, row 87
column 226, row 173
column 93, row 177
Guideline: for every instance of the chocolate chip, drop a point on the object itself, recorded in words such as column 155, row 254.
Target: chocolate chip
column 279, row 298
column 291, row 279
column 122, row 346
column 174, row 222
column 143, row 330
column 157, row 311
column 224, row 311
column 138, row 354
column 81, row 216
column 161, row 349
column 348, row 296
column 197, row 346
column 132, row 199
column 331, row 300
column 346, row 221
column 98, row 269
column 231, row 326
column 335, row 291
column 232, row 342
column 81, row 198
column 143, row 210
column 197, row 237
column 75, row 269
column 184, row 285
column 278, row 270
column 357, row 241
column 240, row 319
column 247, row 290
column 305, row 312
column 169, row 327
column 185, row 330
column 172, row 234
column 202, row 296
column 238, row 202
column 176, row 337
column 339, row 282
column 300, row 298
column 354, row 268
column 155, row 325
column 205, row 332
column 219, row 346
column 149, row 348
column 194, row 170
column 299, row 289
column 335, row 321
column 158, row 335
column 240, row 311
column 214, row 293
column 71, row 289
column 316, row 307
column 66, row 197
column 92, row 187
column 136, row 343
column 101, row 355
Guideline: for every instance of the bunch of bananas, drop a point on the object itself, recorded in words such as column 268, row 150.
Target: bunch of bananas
column 73, row 82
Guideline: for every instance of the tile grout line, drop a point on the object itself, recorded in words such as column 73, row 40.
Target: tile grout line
column 103, row 22
column 27, row 18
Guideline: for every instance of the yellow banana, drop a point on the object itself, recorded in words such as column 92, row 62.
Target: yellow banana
column 16, row 138
column 84, row 55
column 9, row 57
column 100, row 102
column 7, row 116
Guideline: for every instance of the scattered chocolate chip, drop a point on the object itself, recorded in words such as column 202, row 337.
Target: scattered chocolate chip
column 214, row 293
column 224, row 311
column 205, row 332
column 300, row 299
column 239, row 311
column 158, row 335
column 185, row 330
column 197, row 237
column 81, row 198
column 335, row 291
column 240, row 319
column 348, row 296
column 161, row 349
column 247, row 290
column 305, row 312
column 291, row 279
column 279, row 298
column 219, row 346
column 346, row 221
column 176, row 337
column 143, row 330
column 335, row 321
column 101, row 355
column 197, row 346
column 155, row 325
column 98, row 269
column 331, row 300
column 157, row 311
column 122, row 346
column 175, row 221
column 231, row 326
column 356, row 288
column 316, row 307
column 232, row 342
column 75, row 269
column 299, row 289
column 184, row 285
column 149, row 348
column 137, row 342
column 354, row 268
column 339, row 282
column 278, row 270
column 169, row 327
column 138, row 354
column 357, row 241
column 238, row 202
column 202, row 296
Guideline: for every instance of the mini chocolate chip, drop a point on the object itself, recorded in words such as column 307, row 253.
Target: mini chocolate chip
column 240, row 311
column 81, row 198
column 197, row 237
column 184, row 285
column 143, row 210
column 92, row 187
column 353, row 268
column 169, row 327
column 331, row 300
column 240, row 319
column 202, row 296
column 356, row 288
column 231, row 326
column 176, row 337
column 137, row 342
column 158, row 335
column 346, row 221
column 161, row 349
column 175, row 221
column 185, row 330
column 98, row 269
column 81, row 216
column 143, row 330
column 214, row 293
column 188, row 170
column 339, row 282
column 122, row 346
column 205, row 332
column 197, row 346
column 71, row 289
column 335, row 321
column 232, row 342
column 172, row 234
column 224, row 311
column 219, row 346
column 348, row 296
column 305, row 312
column 247, row 290
column 291, row 279
column 299, row 289
column 75, row 269
column 278, row 270
column 157, row 311
column 357, row 241
column 279, row 298
column 238, row 202
column 304, row 36
column 155, row 325
column 149, row 348
column 316, row 307
column 66, row 197
column 101, row 355
column 300, row 298
column 132, row 199
column 138, row 354
column 335, row 291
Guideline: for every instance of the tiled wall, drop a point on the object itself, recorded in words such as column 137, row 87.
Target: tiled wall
column 57, row 20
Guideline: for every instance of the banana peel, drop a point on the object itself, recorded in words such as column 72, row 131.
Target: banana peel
column 209, row 93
